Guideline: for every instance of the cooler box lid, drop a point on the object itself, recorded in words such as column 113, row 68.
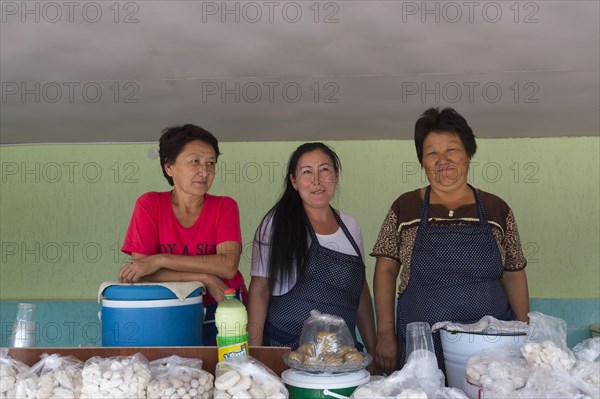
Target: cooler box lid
column 143, row 292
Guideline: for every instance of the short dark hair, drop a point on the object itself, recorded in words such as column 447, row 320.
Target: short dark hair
column 173, row 139
column 447, row 120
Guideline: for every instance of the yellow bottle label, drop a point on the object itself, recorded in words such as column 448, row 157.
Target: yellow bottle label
column 232, row 350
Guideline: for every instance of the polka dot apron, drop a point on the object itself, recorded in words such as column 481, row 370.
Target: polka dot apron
column 332, row 283
column 455, row 274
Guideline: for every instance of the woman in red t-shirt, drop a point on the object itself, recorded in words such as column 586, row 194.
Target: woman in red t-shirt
column 187, row 234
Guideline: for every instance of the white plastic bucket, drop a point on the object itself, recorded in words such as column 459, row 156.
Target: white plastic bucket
column 459, row 346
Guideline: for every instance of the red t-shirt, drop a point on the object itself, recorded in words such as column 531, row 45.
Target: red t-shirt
column 154, row 229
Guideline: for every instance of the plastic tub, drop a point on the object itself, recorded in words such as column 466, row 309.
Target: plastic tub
column 303, row 385
column 150, row 316
column 459, row 346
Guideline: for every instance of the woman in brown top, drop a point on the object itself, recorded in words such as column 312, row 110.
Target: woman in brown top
column 458, row 247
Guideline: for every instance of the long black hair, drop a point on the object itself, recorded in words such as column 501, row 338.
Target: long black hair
column 288, row 243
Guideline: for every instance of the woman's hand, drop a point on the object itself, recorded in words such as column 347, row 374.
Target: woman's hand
column 384, row 286
column 387, row 352
column 134, row 271
column 215, row 287
column 374, row 368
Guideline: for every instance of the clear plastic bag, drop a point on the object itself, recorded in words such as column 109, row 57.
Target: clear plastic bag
column 246, row 378
column 546, row 342
column 54, row 376
column 587, row 368
column 420, row 378
column 500, row 369
column 589, row 375
column 180, row 377
column 119, row 377
column 588, row 350
column 549, row 382
column 554, row 370
column 175, row 361
column 10, row 370
column 547, row 328
column 326, row 345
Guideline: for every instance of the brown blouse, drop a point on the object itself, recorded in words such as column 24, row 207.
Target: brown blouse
column 397, row 235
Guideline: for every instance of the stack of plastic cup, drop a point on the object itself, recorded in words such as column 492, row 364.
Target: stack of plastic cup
column 24, row 331
column 418, row 336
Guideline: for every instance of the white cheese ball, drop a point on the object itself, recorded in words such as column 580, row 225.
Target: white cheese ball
column 181, row 382
column 547, row 353
column 118, row 378
column 52, row 377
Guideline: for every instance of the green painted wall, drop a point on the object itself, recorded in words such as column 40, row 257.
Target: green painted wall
column 64, row 209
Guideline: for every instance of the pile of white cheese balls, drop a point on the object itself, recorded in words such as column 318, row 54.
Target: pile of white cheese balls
column 541, row 368
column 248, row 382
column 174, row 381
column 10, row 369
column 115, row 378
column 503, row 374
column 54, row 376
column 547, row 353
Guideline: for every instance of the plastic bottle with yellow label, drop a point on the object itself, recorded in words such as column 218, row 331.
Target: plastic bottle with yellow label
column 231, row 319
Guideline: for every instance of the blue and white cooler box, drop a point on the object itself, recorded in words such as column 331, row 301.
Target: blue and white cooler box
column 151, row 315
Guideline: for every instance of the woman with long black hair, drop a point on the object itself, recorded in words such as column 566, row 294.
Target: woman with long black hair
column 307, row 255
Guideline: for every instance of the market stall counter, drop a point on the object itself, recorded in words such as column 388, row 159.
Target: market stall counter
column 272, row 357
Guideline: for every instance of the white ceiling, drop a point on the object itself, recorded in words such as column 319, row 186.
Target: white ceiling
column 295, row 70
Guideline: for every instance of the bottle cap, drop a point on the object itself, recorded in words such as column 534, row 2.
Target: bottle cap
column 229, row 291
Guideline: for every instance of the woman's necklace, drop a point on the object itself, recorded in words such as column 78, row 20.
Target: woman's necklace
column 455, row 203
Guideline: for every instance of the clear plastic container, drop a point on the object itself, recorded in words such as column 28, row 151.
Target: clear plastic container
column 418, row 336
column 326, row 346
column 24, row 331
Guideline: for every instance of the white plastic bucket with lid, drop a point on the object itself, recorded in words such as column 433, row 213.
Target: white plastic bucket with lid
column 459, row 346
column 303, row 385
